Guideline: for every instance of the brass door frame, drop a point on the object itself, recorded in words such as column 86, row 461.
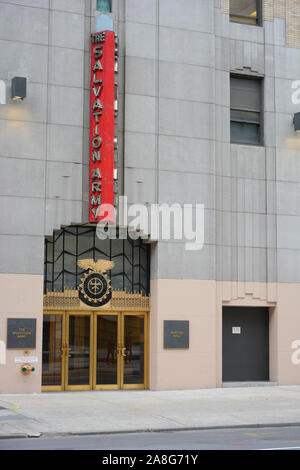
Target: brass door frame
column 146, row 351
column 120, row 357
column 113, row 386
column 93, row 350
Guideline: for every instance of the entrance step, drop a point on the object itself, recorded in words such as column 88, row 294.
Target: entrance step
column 249, row 384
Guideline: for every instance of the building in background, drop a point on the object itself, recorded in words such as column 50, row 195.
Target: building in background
column 205, row 96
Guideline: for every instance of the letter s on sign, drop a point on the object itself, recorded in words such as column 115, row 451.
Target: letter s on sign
column 296, row 354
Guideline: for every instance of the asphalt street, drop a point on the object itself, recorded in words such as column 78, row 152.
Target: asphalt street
column 272, row 438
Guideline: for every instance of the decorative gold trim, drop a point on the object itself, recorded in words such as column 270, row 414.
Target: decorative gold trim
column 124, row 301
column 121, row 300
column 100, row 266
column 58, row 300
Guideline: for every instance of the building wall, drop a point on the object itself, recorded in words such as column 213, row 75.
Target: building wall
column 250, row 193
column 174, row 146
column 201, row 303
column 41, row 156
column 21, row 297
column 177, row 137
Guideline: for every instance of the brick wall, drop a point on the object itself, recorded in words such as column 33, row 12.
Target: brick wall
column 293, row 23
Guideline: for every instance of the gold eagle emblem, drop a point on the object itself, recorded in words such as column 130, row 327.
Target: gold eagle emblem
column 100, row 266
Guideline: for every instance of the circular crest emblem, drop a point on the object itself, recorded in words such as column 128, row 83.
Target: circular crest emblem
column 95, row 287
column 95, row 290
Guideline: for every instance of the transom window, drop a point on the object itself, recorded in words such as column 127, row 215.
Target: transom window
column 104, row 5
column 246, row 11
column 70, row 244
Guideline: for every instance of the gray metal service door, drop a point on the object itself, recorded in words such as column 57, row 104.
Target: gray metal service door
column 245, row 344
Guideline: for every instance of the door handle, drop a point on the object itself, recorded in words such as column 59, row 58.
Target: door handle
column 68, row 351
column 63, row 350
column 121, row 351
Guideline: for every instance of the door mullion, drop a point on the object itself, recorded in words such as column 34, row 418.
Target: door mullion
column 121, row 343
column 66, row 345
column 94, row 351
column 92, row 348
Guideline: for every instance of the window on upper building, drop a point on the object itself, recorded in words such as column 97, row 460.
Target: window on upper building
column 246, row 110
column 246, row 11
column 104, row 5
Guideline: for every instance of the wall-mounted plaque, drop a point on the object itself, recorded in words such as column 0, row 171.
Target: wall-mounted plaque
column 176, row 334
column 21, row 333
column 26, row 359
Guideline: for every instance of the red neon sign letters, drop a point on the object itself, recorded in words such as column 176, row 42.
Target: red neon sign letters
column 102, row 123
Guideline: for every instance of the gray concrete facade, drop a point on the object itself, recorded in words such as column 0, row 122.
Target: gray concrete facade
column 173, row 127
column 41, row 155
column 179, row 56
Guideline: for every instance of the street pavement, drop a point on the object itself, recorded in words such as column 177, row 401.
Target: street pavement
column 275, row 438
column 100, row 412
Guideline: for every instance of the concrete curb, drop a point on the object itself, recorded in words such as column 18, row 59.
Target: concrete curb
column 136, row 431
column 13, row 436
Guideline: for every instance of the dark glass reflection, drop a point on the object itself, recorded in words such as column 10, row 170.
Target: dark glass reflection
column 52, row 343
column 104, row 5
column 245, row 133
column 134, row 344
column 244, row 11
column 79, row 352
column 107, row 354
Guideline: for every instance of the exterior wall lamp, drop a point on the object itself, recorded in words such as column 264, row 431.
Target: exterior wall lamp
column 18, row 88
column 297, row 122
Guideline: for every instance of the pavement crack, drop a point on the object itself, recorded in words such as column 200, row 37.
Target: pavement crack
column 172, row 420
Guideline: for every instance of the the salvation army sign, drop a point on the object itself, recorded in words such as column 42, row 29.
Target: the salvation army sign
column 102, row 123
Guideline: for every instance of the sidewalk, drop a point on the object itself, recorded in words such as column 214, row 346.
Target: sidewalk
column 121, row 411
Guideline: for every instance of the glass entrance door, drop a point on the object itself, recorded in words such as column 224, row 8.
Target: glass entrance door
column 120, row 353
column 107, row 357
column 94, row 350
column 78, row 351
column 133, row 353
column 53, row 364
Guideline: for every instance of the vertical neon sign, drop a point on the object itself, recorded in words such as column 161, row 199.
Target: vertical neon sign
column 102, row 123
